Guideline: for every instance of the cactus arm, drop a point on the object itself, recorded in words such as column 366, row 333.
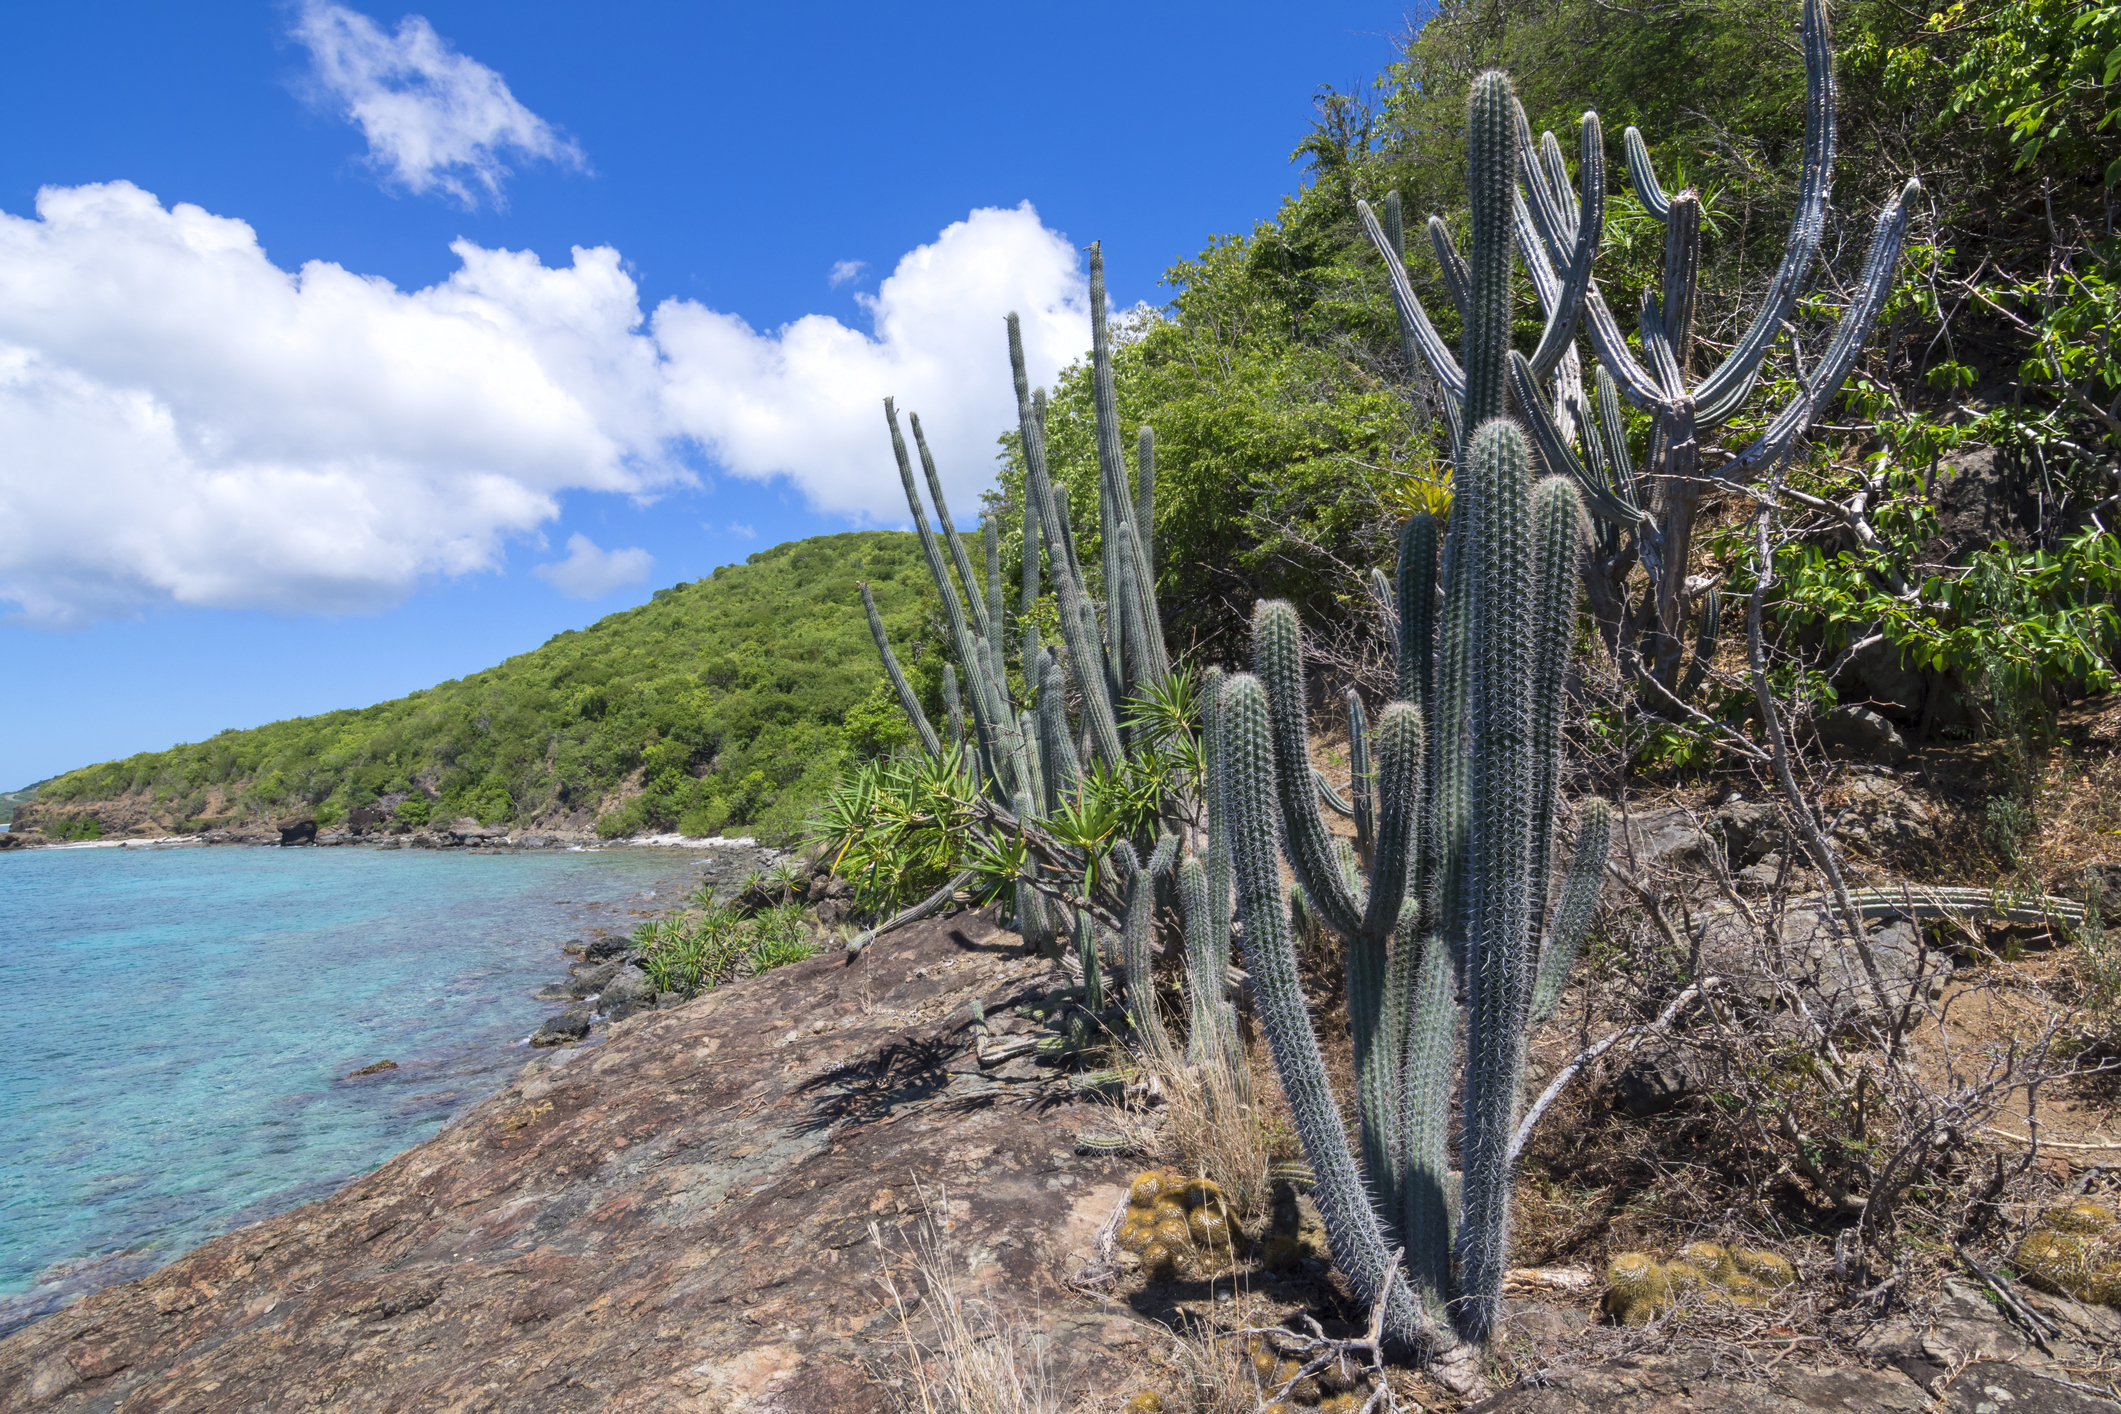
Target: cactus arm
column 1834, row 364
column 986, row 714
column 1807, row 223
column 1643, row 174
column 1657, row 348
column 1575, row 281
column 1113, row 500
column 1352, row 1229
column 1557, row 518
column 927, row 908
column 1682, row 276
column 1359, row 776
column 1145, row 496
column 1579, row 904
column 1557, row 455
column 1427, row 1064
column 1413, row 319
column 1204, row 985
column 1611, row 346
column 1401, row 761
column 1141, row 974
column 1220, row 896
column 1060, row 553
column 907, row 701
column 1086, row 957
column 1064, row 769
column 1457, row 281
column 1705, row 634
column 1546, row 216
column 1498, row 857
column 1336, row 802
column 975, row 592
column 1277, row 649
column 1028, row 598
column 951, row 707
column 1613, row 429
column 1417, row 612
column 1491, row 183
column 997, row 612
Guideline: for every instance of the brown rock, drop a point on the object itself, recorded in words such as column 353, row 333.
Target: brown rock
column 679, row 1218
column 377, row 1068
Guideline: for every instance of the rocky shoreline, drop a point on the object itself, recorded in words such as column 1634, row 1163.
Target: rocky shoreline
column 603, row 984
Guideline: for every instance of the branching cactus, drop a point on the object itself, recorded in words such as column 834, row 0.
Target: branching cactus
column 1031, row 755
column 1647, row 506
column 1458, row 821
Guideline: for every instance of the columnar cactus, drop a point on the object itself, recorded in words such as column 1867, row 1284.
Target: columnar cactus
column 1459, row 823
column 1027, row 757
column 1583, row 437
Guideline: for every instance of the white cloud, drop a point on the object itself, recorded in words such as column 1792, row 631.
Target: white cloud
column 845, row 270
column 591, row 573
column 434, row 118
column 743, row 531
column 806, row 400
column 181, row 421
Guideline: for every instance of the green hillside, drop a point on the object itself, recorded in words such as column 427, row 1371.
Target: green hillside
column 726, row 702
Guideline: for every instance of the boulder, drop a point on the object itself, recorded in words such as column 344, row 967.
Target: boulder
column 297, row 830
column 1859, row 734
column 1883, row 816
column 568, row 1027
column 1656, row 1080
column 1806, row 949
column 626, row 994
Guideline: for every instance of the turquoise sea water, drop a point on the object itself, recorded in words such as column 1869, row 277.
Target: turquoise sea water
column 181, row 1018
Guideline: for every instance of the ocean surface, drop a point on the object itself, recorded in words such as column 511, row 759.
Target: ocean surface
column 181, row 1018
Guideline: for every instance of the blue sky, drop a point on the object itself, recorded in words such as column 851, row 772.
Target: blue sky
column 347, row 350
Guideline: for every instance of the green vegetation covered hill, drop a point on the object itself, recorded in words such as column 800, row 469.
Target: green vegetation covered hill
column 722, row 703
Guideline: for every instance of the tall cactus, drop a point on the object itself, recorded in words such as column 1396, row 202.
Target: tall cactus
column 1647, row 508
column 1024, row 745
column 1459, row 827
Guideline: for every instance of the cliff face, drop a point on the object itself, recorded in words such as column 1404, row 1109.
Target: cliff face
column 679, row 1218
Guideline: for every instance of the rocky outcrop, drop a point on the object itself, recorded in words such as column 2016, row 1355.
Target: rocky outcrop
column 677, row 1218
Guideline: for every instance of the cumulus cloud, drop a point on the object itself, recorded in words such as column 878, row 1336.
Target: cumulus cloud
column 591, row 573
column 182, row 421
column 434, row 119
column 845, row 270
column 806, row 400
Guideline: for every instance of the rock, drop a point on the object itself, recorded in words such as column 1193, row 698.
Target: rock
column 299, row 830
column 376, row 1069
column 1662, row 1384
column 607, row 946
column 1878, row 673
column 1655, row 1081
column 1962, row 1347
column 1859, row 734
column 1747, row 831
column 587, row 979
column 678, row 1219
column 23, row 839
column 1884, row 816
column 1671, row 836
column 568, row 1027
column 626, row 994
column 1808, row 951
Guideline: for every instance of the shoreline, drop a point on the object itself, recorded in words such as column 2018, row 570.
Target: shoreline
column 582, row 952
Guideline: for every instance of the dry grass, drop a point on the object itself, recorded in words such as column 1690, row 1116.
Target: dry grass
column 1211, row 1128
column 974, row 1357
